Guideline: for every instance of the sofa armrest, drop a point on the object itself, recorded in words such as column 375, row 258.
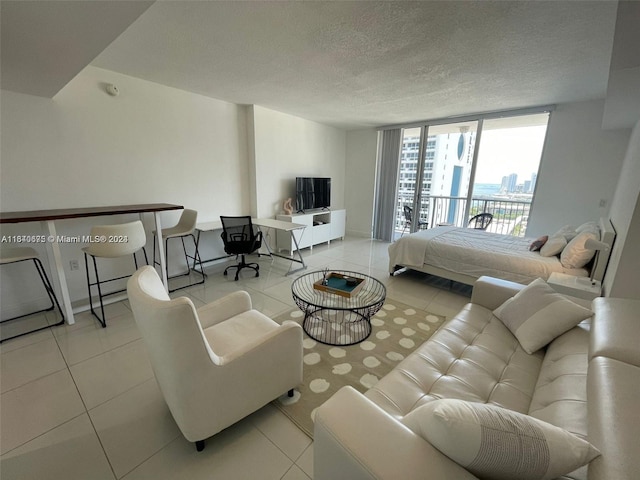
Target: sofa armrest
column 354, row 439
column 490, row 292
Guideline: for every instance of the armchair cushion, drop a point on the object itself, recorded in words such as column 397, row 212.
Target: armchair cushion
column 232, row 334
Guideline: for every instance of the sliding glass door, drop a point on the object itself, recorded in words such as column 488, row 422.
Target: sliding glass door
column 434, row 175
column 450, row 171
column 507, row 171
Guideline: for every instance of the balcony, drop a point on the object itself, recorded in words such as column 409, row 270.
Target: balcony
column 509, row 216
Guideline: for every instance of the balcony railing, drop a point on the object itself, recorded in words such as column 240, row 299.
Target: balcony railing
column 509, row 216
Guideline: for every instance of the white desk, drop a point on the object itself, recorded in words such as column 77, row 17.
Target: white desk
column 48, row 218
column 260, row 223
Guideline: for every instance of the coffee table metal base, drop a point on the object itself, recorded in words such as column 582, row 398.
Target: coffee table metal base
column 336, row 327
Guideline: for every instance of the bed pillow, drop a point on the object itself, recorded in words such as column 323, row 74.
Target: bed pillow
column 568, row 232
column 538, row 243
column 496, row 443
column 588, row 226
column 576, row 254
column 553, row 246
column 537, row 314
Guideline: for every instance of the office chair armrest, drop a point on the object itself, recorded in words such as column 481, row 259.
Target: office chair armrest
column 224, row 308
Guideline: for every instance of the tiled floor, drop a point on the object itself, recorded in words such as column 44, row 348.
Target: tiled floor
column 81, row 402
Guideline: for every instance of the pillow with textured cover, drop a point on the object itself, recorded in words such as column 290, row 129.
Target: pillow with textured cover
column 495, row 443
column 538, row 243
column 537, row 314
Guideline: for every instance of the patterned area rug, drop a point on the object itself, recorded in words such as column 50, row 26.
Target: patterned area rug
column 397, row 330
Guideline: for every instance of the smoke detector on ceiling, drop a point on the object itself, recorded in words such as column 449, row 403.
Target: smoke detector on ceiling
column 112, row 90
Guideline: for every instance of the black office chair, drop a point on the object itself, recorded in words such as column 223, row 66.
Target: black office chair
column 480, row 221
column 240, row 238
column 408, row 217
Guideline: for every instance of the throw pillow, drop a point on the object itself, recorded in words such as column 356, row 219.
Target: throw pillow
column 538, row 243
column 568, row 232
column 553, row 246
column 588, row 226
column 537, row 314
column 496, row 443
column 575, row 254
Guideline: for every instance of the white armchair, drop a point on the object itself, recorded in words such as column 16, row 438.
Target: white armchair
column 217, row 364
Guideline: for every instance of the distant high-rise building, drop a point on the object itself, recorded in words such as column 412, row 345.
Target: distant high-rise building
column 512, row 181
column 527, row 186
column 534, row 177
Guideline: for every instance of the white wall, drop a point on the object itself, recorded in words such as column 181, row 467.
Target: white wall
column 286, row 147
column 622, row 278
column 150, row 144
column 360, row 181
column 580, row 167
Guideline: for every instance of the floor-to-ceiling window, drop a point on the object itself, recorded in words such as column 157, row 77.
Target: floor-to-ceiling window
column 450, row 171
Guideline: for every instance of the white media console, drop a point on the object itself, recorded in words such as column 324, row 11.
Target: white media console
column 322, row 226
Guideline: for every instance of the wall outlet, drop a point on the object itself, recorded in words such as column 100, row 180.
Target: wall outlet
column 73, row 265
column 603, row 203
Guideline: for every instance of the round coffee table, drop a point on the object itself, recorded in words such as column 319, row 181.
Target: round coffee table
column 334, row 319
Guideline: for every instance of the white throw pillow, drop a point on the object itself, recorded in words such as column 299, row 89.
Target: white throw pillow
column 575, row 254
column 553, row 246
column 568, row 232
column 588, row 227
column 495, row 443
column 537, row 314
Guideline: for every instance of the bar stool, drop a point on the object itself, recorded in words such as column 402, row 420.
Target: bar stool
column 184, row 228
column 112, row 241
column 23, row 254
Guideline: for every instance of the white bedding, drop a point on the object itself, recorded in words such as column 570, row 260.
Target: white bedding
column 474, row 253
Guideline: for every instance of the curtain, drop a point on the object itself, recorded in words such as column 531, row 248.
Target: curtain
column 386, row 184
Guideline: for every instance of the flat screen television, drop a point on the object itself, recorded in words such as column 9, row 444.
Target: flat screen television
column 312, row 192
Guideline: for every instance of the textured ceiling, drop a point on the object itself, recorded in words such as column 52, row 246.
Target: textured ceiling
column 370, row 63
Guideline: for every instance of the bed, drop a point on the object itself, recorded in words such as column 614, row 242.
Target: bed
column 464, row 254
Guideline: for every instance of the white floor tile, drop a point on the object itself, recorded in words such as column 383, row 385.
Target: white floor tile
column 305, row 462
column 29, row 363
column 296, row 473
column 266, row 304
column 105, row 376
column 37, row 407
column 281, row 431
column 23, row 325
column 134, row 426
column 240, row 452
column 89, row 341
column 70, row 452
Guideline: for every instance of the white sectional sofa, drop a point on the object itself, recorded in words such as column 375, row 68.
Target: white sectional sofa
column 586, row 381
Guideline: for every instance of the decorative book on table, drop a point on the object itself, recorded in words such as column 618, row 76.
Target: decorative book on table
column 339, row 284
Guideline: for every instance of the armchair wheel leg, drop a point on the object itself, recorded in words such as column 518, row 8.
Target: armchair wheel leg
column 200, row 445
column 290, row 393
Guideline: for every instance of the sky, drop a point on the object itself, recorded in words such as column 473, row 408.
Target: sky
column 511, row 150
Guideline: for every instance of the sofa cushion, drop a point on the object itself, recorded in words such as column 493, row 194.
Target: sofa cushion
column 472, row 357
column 537, row 314
column 496, row 443
column 560, row 396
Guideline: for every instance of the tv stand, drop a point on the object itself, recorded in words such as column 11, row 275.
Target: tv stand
column 323, row 226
